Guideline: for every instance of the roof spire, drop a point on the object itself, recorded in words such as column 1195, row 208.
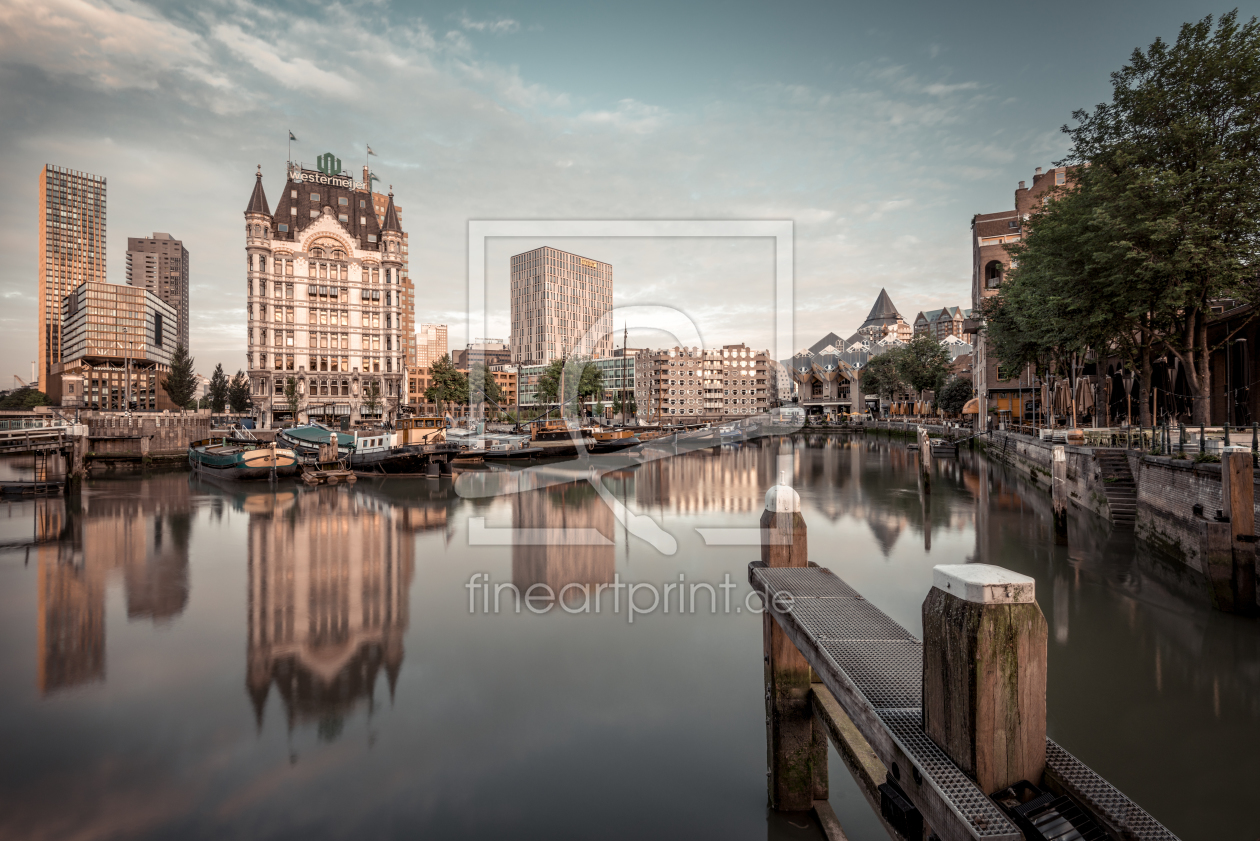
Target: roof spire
column 391, row 222
column 258, row 199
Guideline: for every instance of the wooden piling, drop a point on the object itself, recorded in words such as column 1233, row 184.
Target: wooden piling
column 1230, row 561
column 984, row 673
column 925, row 460
column 1058, row 489
column 797, row 756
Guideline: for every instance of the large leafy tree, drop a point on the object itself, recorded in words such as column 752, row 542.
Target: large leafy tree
column 180, row 382
column 880, row 376
column 582, row 380
column 954, row 395
column 238, row 392
column 1173, row 172
column 923, row 363
column 448, row 384
column 219, row 388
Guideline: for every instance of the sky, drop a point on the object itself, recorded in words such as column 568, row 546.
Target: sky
column 878, row 130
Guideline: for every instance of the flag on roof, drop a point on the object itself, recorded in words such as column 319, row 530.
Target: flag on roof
column 291, row 137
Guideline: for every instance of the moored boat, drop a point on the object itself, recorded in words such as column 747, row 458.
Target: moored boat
column 237, row 459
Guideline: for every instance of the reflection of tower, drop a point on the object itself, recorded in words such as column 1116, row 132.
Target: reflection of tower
column 567, row 507
column 328, row 591
column 71, row 636
column 143, row 533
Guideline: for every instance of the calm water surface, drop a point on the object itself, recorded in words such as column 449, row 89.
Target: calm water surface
column 183, row 660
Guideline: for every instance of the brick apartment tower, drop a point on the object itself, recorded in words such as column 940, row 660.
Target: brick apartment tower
column 160, row 264
column 560, row 307
column 71, row 251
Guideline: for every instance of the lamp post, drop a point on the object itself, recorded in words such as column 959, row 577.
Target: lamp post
column 1128, row 395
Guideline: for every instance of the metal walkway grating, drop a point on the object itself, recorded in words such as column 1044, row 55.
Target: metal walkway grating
column 875, row 666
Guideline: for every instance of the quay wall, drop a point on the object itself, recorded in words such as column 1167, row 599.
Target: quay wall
column 1168, row 490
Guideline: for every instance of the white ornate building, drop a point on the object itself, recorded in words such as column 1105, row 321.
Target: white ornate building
column 324, row 285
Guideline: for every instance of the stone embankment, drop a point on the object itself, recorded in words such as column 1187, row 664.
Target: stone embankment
column 1166, row 500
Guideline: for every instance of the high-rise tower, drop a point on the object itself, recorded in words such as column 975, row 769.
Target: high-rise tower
column 160, row 264
column 560, row 307
column 71, row 250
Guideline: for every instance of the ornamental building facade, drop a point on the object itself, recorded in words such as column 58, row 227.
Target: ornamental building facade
column 325, row 303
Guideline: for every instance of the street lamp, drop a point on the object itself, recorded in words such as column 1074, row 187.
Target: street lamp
column 1127, row 378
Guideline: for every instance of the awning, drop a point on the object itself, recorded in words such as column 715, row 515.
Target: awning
column 972, row 406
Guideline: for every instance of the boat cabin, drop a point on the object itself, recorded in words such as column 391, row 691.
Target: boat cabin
column 420, row 430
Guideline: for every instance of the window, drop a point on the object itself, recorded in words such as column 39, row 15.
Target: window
column 371, row 237
column 362, row 203
column 314, row 196
column 343, row 201
column 1060, row 177
column 314, row 213
column 282, row 228
column 341, row 217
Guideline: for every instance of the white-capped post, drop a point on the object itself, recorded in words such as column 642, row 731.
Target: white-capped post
column 984, row 673
column 797, row 753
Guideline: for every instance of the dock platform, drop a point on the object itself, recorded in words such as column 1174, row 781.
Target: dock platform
column 874, row 669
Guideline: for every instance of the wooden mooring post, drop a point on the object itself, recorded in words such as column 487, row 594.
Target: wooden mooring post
column 984, row 673
column 796, row 749
column 1058, row 489
column 1229, row 543
column 925, row 460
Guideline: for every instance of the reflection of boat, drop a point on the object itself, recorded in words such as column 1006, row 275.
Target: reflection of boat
column 235, row 459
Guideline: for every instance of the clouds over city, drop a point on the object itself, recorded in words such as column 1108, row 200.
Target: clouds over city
column 176, row 106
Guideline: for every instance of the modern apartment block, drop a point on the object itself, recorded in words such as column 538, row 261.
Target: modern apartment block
column 996, row 387
column 430, row 344
column 160, row 265
column 117, row 343
column 71, row 251
column 560, row 307
column 325, row 302
column 731, row 381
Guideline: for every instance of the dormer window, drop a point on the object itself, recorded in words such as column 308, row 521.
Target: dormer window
column 1060, row 177
column 1014, row 224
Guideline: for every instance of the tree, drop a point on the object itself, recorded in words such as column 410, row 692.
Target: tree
column 180, row 382
column 1173, row 165
column 219, row 388
column 372, row 396
column 482, row 384
column 923, row 363
column 292, row 398
column 449, row 385
column 25, row 397
column 238, row 392
column 549, row 382
column 954, row 395
column 880, row 376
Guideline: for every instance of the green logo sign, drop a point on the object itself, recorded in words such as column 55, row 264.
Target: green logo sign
column 329, row 164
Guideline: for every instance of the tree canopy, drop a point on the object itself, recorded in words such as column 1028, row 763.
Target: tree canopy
column 448, row 384
column 1162, row 218
column 238, row 392
column 180, row 383
column 219, row 388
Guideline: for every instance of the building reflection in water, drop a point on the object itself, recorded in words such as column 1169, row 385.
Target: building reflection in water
column 330, row 573
column 137, row 528
column 557, row 563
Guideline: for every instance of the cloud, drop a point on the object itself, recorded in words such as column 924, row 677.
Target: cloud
column 498, row 26
column 859, row 161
